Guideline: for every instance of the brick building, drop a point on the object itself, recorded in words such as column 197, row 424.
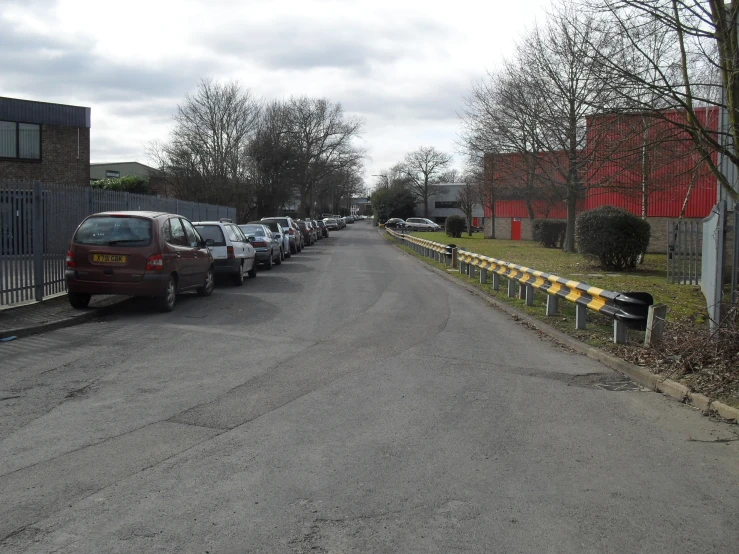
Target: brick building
column 44, row 142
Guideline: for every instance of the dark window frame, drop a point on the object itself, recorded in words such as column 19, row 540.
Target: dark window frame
column 17, row 157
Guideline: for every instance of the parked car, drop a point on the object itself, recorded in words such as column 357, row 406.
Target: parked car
column 349, row 219
column 422, row 224
column 265, row 244
column 395, row 223
column 322, row 227
column 278, row 232
column 308, row 233
column 137, row 253
column 232, row 253
column 299, row 234
column 317, row 228
column 331, row 223
column 287, row 224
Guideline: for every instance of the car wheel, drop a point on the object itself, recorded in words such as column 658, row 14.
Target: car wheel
column 268, row 263
column 253, row 271
column 238, row 277
column 79, row 300
column 166, row 300
column 278, row 260
column 208, row 284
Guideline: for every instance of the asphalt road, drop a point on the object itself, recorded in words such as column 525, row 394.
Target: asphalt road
column 347, row 401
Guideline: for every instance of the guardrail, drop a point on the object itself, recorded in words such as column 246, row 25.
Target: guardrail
column 629, row 310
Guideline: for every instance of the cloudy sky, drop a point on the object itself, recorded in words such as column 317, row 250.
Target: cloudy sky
column 403, row 66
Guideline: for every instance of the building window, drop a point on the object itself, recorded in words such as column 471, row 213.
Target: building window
column 446, row 204
column 20, row 140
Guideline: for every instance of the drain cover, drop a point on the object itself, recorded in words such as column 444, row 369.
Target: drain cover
column 618, row 386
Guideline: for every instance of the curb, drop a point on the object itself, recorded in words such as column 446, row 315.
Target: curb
column 83, row 317
column 639, row 375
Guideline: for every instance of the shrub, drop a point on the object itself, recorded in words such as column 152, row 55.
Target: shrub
column 130, row 183
column 550, row 233
column 613, row 236
column 455, row 226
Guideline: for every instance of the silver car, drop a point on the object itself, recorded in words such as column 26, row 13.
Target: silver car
column 280, row 233
column 261, row 238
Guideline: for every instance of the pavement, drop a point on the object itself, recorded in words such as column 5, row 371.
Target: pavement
column 349, row 400
column 54, row 313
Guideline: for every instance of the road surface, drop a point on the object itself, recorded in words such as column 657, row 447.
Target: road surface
column 349, row 400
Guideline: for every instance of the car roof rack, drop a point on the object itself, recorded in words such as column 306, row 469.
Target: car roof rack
column 226, row 220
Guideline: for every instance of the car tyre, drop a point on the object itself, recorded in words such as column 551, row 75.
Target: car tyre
column 208, row 285
column 268, row 263
column 279, row 259
column 253, row 271
column 79, row 300
column 166, row 300
column 238, row 277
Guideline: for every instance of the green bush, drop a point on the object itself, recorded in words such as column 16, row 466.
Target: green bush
column 550, row 233
column 130, row 183
column 613, row 236
column 455, row 226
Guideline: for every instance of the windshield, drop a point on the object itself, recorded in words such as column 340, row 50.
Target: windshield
column 114, row 230
column 282, row 222
column 212, row 232
column 256, row 230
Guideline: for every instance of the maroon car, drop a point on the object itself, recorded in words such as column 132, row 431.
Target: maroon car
column 137, row 254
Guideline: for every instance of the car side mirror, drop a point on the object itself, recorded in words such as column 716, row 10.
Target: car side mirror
column 208, row 242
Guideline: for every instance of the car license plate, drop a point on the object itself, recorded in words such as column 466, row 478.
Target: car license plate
column 109, row 258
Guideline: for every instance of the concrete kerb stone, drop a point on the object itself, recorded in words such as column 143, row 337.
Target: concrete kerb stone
column 639, row 375
column 83, row 317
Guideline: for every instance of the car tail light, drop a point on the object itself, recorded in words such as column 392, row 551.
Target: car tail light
column 230, row 252
column 292, row 232
column 257, row 244
column 70, row 259
column 155, row 263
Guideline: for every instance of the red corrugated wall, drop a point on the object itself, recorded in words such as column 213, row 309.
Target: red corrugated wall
column 673, row 165
column 617, row 166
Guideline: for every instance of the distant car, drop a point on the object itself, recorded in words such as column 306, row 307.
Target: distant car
column 349, row 219
column 232, row 253
column 331, row 223
column 317, row 227
column 278, row 232
column 395, row 223
column 422, row 224
column 265, row 245
column 137, row 253
column 308, row 233
column 293, row 237
column 299, row 234
column 323, row 228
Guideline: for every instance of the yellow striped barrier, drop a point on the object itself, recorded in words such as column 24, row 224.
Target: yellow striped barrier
column 628, row 310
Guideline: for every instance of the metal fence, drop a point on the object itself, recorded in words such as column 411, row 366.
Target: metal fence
column 684, row 242
column 37, row 221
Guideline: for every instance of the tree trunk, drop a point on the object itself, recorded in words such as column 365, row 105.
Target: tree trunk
column 492, row 214
column 469, row 225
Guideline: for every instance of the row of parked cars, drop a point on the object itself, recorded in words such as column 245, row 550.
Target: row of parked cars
column 160, row 255
column 413, row 224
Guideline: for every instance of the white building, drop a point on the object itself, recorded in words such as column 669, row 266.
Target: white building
column 444, row 203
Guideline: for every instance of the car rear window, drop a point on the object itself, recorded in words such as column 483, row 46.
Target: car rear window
column 302, row 225
column 114, row 231
column 212, row 232
column 282, row 222
column 256, row 230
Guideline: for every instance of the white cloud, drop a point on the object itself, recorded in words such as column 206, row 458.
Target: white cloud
column 403, row 66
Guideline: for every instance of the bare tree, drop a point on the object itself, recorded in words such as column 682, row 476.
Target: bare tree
column 322, row 138
column 206, row 158
column 468, row 197
column 700, row 58
column 570, row 81
column 449, row 176
column 421, row 168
